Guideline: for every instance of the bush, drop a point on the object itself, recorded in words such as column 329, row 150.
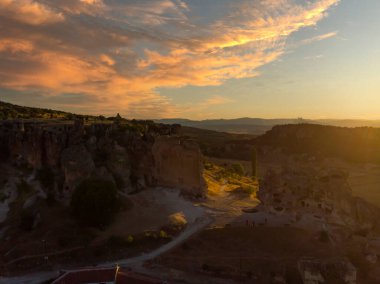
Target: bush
column 163, row 234
column 324, row 237
column 46, row 177
column 24, row 190
column 208, row 166
column 130, row 239
column 237, row 169
column 95, row 202
column 3, row 197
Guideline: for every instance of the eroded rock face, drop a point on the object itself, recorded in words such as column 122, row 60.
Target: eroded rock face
column 134, row 156
column 323, row 194
column 77, row 165
column 178, row 163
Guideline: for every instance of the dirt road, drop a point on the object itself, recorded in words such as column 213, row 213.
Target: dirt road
column 199, row 224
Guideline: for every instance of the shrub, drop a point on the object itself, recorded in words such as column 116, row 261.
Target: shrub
column 95, row 202
column 130, row 239
column 238, row 169
column 23, row 187
column 208, row 166
column 324, row 237
column 3, row 197
column 163, row 234
column 46, row 177
column 249, row 189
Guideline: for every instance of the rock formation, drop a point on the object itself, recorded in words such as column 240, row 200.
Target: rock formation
column 177, row 164
column 333, row 271
column 322, row 194
column 134, row 154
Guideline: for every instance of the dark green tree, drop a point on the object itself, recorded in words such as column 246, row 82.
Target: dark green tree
column 95, row 202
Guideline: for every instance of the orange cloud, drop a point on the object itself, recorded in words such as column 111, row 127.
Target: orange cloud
column 29, row 12
column 15, row 46
column 119, row 53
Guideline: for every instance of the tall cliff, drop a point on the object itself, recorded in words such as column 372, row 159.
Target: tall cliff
column 318, row 193
column 134, row 154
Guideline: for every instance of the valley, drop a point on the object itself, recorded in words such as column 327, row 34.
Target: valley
column 259, row 208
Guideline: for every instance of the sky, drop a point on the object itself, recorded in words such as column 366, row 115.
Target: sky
column 197, row 59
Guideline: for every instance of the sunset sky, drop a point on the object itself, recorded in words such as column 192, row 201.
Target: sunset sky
column 193, row 59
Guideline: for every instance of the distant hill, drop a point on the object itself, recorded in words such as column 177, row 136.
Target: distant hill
column 360, row 144
column 258, row 126
column 255, row 126
column 221, row 144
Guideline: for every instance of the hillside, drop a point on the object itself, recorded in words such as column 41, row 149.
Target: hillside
column 351, row 144
column 220, row 144
column 11, row 111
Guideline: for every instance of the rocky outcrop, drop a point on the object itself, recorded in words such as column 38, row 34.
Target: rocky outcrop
column 333, row 271
column 134, row 155
column 322, row 194
column 77, row 165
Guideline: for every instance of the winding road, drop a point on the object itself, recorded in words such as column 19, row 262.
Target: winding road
column 193, row 228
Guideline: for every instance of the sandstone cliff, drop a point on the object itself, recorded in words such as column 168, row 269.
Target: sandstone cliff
column 134, row 155
column 320, row 194
column 177, row 163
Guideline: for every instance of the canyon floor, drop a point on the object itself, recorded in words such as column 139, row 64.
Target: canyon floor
column 220, row 242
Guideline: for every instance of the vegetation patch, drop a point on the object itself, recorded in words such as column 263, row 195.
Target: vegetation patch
column 95, row 202
column 231, row 179
column 46, row 178
column 24, row 190
column 3, row 197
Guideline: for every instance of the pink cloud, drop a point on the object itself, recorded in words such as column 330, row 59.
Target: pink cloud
column 119, row 53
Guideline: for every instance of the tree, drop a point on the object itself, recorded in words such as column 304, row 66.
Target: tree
column 254, row 162
column 95, row 202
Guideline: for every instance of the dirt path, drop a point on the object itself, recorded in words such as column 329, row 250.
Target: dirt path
column 199, row 224
column 192, row 229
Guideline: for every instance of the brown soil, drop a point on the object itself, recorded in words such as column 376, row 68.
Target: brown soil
column 246, row 254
